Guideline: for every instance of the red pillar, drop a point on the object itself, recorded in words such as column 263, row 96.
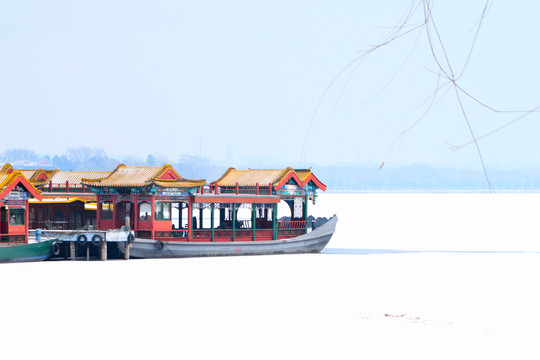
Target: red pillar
column 115, row 209
column 98, row 213
column 236, row 188
column 26, row 219
column 136, row 214
column 152, row 204
column 50, row 186
column 67, row 186
column 257, row 188
column 189, row 219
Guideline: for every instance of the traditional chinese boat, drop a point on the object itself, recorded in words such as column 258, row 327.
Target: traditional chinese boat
column 235, row 215
column 312, row 242
column 15, row 245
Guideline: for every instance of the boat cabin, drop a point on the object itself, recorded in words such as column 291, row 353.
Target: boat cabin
column 259, row 192
column 242, row 205
column 15, row 190
column 58, row 213
column 143, row 198
column 67, row 204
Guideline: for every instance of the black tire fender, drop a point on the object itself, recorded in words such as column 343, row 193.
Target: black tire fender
column 82, row 239
column 97, row 239
column 160, row 245
column 55, row 248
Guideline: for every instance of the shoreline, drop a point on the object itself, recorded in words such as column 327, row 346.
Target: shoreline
column 433, row 191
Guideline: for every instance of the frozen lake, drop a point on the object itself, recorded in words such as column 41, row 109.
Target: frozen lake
column 425, row 276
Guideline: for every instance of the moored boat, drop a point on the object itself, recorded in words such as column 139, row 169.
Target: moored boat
column 33, row 251
column 312, row 242
column 234, row 215
column 15, row 245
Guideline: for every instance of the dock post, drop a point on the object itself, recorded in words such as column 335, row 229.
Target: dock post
column 103, row 250
column 87, row 251
column 72, row 250
column 126, row 251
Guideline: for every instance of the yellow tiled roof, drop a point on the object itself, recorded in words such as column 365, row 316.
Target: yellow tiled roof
column 265, row 177
column 7, row 179
column 5, row 169
column 28, row 173
column 262, row 177
column 32, row 175
column 75, row 178
column 303, row 174
column 3, row 182
column 141, row 176
column 39, row 172
column 251, row 177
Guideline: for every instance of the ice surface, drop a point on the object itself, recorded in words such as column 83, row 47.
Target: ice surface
column 462, row 286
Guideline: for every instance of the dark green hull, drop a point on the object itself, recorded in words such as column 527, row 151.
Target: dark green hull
column 26, row 252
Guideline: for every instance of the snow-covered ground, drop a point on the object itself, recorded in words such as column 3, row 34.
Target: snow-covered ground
column 406, row 276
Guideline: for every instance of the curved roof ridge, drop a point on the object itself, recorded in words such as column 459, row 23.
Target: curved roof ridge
column 224, row 175
column 140, row 176
column 10, row 178
column 5, row 169
column 283, row 174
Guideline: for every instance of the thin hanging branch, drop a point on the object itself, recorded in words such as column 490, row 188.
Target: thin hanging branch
column 444, row 70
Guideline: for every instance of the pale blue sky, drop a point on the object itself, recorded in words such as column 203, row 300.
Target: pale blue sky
column 144, row 77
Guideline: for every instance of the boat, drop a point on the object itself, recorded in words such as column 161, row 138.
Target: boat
column 33, row 251
column 15, row 243
column 169, row 216
column 312, row 242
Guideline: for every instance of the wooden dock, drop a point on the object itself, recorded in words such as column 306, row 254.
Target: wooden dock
column 74, row 242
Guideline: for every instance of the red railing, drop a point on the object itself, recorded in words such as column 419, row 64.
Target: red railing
column 226, row 235
column 297, row 224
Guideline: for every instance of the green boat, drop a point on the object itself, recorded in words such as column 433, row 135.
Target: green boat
column 27, row 252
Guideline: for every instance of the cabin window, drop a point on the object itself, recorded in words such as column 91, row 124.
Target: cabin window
column 145, row 211
column 107, row 210
column 163, row 211
column 16, row 216
column 59, row 216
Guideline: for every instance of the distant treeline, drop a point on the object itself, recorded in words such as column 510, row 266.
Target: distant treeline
column 91, row 159
column 426, row 178
column 356, row 178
